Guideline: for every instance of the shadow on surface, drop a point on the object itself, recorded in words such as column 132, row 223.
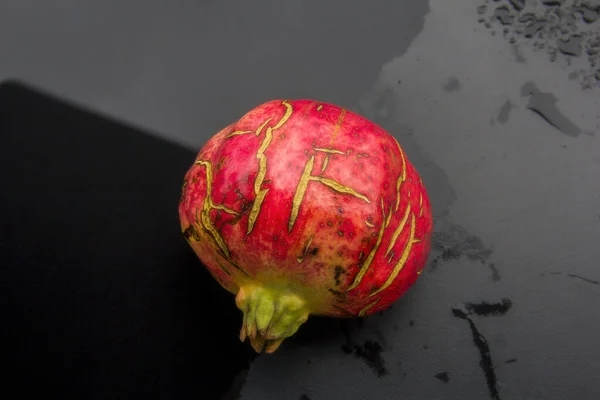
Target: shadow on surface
column 101, row 296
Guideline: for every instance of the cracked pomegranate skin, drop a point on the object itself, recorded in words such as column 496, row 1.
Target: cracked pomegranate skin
column 304, row 208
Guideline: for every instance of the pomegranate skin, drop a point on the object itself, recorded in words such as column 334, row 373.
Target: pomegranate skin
column 306, row 207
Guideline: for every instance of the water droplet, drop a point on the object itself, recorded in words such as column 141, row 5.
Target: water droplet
column 517, row 4
column 504, row 15
column 571, row 46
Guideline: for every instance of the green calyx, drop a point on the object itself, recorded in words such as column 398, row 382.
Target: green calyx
column 270, row 315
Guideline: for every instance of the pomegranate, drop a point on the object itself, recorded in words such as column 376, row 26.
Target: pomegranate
column 305, row 208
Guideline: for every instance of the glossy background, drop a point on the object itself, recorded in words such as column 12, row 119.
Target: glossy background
column 504, row 132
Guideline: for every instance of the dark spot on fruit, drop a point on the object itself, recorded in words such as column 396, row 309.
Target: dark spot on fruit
column 360, row 256
column 191, row 233
column 336, row 293
column 314, row 251
column 329, row 223
column 339, row 253
column 238, row 193
column 337, row 282
column 275, row 238
column 338, row 271
column 340, row 233
column 340, row 210
column 183, row 188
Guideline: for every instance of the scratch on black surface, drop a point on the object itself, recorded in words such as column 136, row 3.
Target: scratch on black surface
column 575, row 276
column 583, row 279
column 304, row 397
column 487, row 309
column 484, row 350
column 510, row 361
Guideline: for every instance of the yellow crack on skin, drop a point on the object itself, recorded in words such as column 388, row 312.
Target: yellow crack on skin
column 307, row 176
column 366, row 308
column 205, row 221
column 262, row 165
column 385, row 224
column 262, row 126
column 340, row 188
column 300, row 191
column 398, row 230
column 237, row 133
column 331, row 151
column 369, row 260
column 370, row 225
column 320, row 107
column 401, row 262
column 301, row 258
column 402, row 176
column 325, row 163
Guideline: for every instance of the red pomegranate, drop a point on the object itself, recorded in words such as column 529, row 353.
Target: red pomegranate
column 304, row 208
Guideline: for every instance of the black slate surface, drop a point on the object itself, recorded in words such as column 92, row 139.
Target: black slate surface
column 100, row 296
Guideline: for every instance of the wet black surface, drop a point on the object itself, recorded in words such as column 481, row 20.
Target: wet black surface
column 544, row 104
column 568, row 29
column 496, row 103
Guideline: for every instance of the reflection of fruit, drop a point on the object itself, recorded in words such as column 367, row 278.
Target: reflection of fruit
column 301, row 208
